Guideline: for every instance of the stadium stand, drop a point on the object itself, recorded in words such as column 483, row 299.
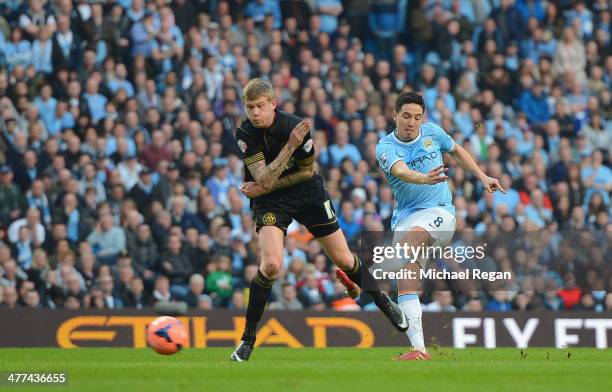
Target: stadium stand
column 120, row 174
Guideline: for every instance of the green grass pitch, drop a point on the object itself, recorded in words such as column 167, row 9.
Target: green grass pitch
column 332, row 369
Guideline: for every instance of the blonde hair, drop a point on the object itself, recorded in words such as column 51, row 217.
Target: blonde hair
column 257, row 88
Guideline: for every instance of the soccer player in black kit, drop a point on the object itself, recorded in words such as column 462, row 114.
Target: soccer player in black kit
column 281, row 183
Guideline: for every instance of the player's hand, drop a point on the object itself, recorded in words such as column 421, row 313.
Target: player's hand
column 434, row 176
column 297, row 135
column 492, row 185
column 252, row 189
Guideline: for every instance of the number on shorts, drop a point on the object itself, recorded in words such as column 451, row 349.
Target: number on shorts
column 437, row 222
column 328, row 209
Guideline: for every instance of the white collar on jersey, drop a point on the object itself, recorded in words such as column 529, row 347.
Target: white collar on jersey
column 416, row 139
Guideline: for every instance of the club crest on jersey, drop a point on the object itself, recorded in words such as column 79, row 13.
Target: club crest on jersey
column 242, row 146
column 383, row 158
column 308, row 146
column 269, row 219
column 427, row 143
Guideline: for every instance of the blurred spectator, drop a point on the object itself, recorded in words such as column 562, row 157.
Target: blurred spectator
column 32, row 221
column 23, row 248
column 347, row 221
column 310, row 291
column 259, row 9
column 342, row 149
column 144, row 252
column 11, row 200
column 473, row 305
column 533, row 104
column 219, row 280
column 66, row 46
column 597, row 177
column 106, row 285
column 288, row 301
column 205, row 302
column 17, row 50
column 135, row 297
column 499, row 302
column 107, row 240
column 341, row 300
column 329, row 10
column 292, row 251
column 570, row 294
column 570, row 55
column 443, row 302
column 176, row 266
column 10, row 297
column 599, row 136
column 238, row 301
column 161, row 290
column 196, row 289
column 32, row 299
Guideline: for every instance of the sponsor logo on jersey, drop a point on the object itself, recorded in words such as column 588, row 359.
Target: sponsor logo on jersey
column 308, row 146
column 242, row 146
column 422, row 161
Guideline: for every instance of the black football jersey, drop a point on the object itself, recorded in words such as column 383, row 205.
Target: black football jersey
column 258, row 144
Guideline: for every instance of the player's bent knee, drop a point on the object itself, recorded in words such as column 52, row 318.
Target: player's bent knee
column 271, row 270
column 343, row 258
column 344, row 261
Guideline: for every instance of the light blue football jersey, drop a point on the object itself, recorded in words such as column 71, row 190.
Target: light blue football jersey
column 421, row 154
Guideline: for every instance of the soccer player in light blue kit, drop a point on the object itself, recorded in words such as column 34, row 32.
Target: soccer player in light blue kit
column 411, row 158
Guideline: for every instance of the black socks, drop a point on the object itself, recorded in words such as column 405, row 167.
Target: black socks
column 259, row 294
column 364, row 279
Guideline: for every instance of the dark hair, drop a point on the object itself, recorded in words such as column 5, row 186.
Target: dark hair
column 408, row 97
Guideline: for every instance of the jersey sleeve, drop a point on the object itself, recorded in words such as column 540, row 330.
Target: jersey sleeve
column 305, row 154
column 386, row 156
column 447, row 144
column 251, row 152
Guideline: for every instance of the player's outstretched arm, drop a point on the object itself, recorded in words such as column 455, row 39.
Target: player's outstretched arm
column 254, row 189
column 465, row 160
column 267, row 175
column 404, row 173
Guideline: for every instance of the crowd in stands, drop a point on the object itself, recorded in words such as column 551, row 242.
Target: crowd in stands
column 119, row 170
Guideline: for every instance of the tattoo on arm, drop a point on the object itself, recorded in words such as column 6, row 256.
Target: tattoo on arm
column 304, row 173
column 257, row 169
column 266, row 175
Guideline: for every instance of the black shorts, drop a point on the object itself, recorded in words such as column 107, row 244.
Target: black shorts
column 307, row 203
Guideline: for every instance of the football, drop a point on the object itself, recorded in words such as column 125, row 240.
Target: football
column 166, row 335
